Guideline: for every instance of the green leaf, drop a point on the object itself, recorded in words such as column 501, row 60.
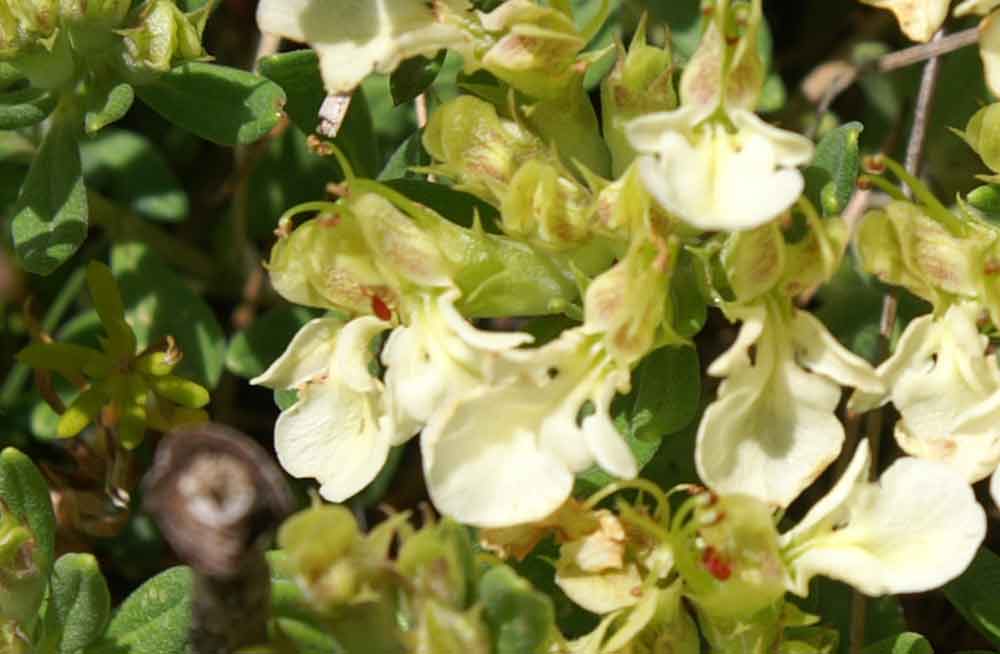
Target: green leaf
column 986, row 198
column 299, row 75
column 410, row 153
column 413, row 76
column 833, row 173
column 287, row 174
column 158, row 303
column 253, row 349
column 520, row 618
column 155, row 619
column 107, row 104
column 27, row 495
column 50, row 218
column 904, row 643
column 974, row 594
column 457, row 206
column 224, row 105
column 666, row 388
column 25, row 107
column 129, row 168
column 79, row 602
column 687, row 300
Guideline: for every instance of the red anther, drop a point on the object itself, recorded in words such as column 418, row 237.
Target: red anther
column 380, row 308
column 716, row 564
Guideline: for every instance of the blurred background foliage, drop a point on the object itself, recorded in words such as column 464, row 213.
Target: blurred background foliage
column 184, row 225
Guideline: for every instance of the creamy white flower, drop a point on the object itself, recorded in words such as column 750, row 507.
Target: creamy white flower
column 356, row 37
column 340, row 430
column 946, row 388
column 981, row 7
column 914, row 530
column 717, row 176
column 505, row 454
column 918, row 19
column 995, row 487
column 772, row 429
column 439, row 356
column 592, row 570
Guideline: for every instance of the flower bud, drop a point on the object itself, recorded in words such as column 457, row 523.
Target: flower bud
column 739, row 566
column 477, row 148
column 442, row 630
column 640, row 83
column 320, row 542
column 546, row 208
column 536, row 49
column 754, row 260
column 438, row 560
column 982, row 133
column 164, row 36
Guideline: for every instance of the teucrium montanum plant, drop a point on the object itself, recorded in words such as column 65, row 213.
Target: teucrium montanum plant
column 536, row 331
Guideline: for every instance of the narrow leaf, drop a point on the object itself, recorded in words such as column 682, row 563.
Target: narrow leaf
column 833, row 173
column 50, row 218
column 79, row 604
column 414, row 76
column 25, row 107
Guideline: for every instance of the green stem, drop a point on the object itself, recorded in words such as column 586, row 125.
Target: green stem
column 63, row 301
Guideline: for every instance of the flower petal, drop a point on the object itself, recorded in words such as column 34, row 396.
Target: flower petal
column 918, row 19
column 334, row 435
column 915, row 530
column 989, row 51
column 355, row 37
column 307, row 356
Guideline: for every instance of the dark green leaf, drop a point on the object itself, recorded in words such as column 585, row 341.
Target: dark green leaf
column 456, row 206
column 298, row 74
column 79, row 602
column 224, row 105
column 974, row 594
column 253, row 349
column 413, row 76
column 107, row 104
column 687, row 299
column 27, row 496
column 904, row 643
column 155, row 619
column 158, row 303
column 128, row 168
column 25, row 107
column 287, row 174
column 833, row 173
column 666, row 388
column 409, row 154
column 520, row 618
column 50, row 218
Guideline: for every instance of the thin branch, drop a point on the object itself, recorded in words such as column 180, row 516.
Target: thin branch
column 940, row 45
column 921, row 113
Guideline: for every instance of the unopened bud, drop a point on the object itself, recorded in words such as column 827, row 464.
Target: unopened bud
column 164, row 37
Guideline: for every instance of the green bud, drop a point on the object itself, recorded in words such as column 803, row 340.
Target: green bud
column 156, row 363
column 164, row 37
column 739, row 570
column 901, row 245
column 320, row 543
column 640, row 83
column 982, row 133
column 327, row 263
column 22, row 583
column 444, row 630
column 477, row 148
column 536, row 47
column 25, row 23
column 438, row 559
column 546, row 208
column 754, row 260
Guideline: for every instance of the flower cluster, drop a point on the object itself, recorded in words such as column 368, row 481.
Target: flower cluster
column 592, row 222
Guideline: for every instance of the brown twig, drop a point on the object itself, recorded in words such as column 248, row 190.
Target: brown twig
column 215, row 493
